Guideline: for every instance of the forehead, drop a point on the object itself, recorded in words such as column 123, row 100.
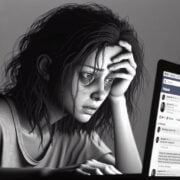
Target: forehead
column 103, row 59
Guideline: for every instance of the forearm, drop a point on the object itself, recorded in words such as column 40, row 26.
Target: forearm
column 126, row 152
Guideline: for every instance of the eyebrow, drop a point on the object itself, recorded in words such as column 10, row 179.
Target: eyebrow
column 94, row 68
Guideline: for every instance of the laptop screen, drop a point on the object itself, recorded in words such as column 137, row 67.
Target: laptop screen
column 163, row 140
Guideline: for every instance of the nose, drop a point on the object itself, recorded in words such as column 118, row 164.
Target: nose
column 99, row 93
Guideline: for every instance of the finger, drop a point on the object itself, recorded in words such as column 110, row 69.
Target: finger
column 125, row 45
column 108, row 170
column 122, row 76
column 111, row 167
column 90, row 169
column 126, row 56
column 82, row 172
column 102, row 166
column 115, row 170
column 87, row 167
column 98, row 171
column 123, row 65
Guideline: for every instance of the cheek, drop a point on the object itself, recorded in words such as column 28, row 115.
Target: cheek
column 79, row 91
column 82, row 95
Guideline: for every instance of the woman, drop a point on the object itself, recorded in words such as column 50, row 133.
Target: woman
column 75, row 72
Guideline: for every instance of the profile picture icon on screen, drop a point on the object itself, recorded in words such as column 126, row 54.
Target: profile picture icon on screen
column 157, row 139
column 163, row 97
column 158, row 129
column 162, row 108
column 153, row 172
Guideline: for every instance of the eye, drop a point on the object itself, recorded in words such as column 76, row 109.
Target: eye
column 109, row 81
column 86, row 78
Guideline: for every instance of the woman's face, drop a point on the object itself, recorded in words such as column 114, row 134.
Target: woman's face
column 88, row 89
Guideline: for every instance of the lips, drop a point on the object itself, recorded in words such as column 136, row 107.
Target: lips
column 89, row 110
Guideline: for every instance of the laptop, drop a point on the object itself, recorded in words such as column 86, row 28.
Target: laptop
column 162, row 151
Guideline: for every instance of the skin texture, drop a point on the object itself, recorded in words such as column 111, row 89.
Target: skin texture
column 89, row 90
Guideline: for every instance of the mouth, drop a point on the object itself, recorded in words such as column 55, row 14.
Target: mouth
column 89, row 110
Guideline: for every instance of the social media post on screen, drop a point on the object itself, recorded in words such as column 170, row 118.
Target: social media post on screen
column 165, row 157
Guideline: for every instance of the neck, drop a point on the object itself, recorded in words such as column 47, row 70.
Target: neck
column 55, row 113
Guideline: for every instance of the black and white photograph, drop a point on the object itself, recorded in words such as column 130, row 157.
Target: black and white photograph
column 80, row 86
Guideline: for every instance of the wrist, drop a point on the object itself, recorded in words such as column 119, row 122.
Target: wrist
column 121, row 98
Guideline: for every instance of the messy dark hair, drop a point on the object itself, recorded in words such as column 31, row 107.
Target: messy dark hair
column 68, row 35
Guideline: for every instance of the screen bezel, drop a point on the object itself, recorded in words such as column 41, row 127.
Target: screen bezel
column 163, row 65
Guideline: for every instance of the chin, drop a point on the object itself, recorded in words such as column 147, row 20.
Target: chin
column 83, row 118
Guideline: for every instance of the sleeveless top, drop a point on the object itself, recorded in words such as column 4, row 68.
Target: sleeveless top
column 65, row 150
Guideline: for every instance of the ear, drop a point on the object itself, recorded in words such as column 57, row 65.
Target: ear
column 43, row 63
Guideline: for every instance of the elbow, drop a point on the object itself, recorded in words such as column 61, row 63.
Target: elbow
column 130, row 168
